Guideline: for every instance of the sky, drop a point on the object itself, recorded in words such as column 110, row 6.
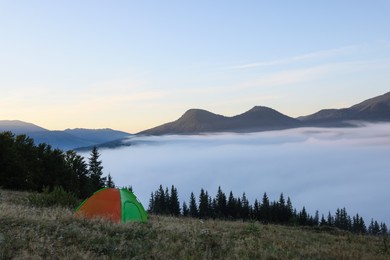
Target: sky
column 133, row 65
column 320, row 168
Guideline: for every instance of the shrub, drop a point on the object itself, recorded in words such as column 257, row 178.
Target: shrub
column 57, row 197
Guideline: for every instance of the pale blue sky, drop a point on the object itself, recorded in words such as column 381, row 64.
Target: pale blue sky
column 131, row 65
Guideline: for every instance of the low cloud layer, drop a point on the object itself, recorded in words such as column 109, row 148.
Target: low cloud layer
column 319, row 168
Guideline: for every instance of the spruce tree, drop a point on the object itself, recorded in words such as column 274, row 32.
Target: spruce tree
column 220, row 198
column 110, row 183
column 185, row 209
column 330, row 221
column 231, row 206
column 289, row 209
column 303, row 217
column 316, row 218
column 174, row 204
column 265, row 209
column 383, row 228
column 151, row 208
column 167, row 209
column 203, row 204
column 245, row 207
column 193, row 208
column 96, row 170
column 323, row 221
column 256, row 210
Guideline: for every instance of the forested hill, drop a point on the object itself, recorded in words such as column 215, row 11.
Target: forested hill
column 26, row 166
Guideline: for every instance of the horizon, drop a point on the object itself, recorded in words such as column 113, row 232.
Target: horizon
column 131, row 66
column 68, row 128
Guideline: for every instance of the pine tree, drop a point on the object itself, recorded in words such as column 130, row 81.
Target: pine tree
column 76, row 163
column 151, row 208
column 231, row 206
column 374, row 228
column 358, row 225
column 238, row 208
column 185, row 209
column 330, row 221
column 220, row 198
column 383, row 228
column 256, row 210
column 316, row 219
column 110, row 183
column 265, row 209
column 210, row 209
column 245, row 207
column 281, row 213
column 160, row 200
column 323, row 221
column 174, row 202
column 96, row 170
column 193, row 208
column 289, row 209
column 303, row 217
column 203, row 204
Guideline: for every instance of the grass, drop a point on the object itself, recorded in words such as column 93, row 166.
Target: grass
column 28, row 232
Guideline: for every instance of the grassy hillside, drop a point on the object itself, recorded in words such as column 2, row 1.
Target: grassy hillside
column 53, row 233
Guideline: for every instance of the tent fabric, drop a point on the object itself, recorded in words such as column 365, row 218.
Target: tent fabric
column 118, row 205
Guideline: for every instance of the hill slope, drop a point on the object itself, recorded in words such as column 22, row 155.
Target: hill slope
column 19, row 127
column 373, row 109
column 54, row 233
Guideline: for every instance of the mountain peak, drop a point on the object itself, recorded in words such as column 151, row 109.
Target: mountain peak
column 199, row 115
column 260, row 109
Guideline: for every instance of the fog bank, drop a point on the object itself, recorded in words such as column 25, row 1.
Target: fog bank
column 319, row 168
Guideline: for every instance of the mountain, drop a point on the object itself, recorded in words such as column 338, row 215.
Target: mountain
column 19, row 127
column 97, row 136
column 195, row 121
column 59, row 139
column 373, row 109
column 261, row 118
column 65, row 140
column 201, row 121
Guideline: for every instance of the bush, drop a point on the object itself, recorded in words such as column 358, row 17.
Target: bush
column 57, row 197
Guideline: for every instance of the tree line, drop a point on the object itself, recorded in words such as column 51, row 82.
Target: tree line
column 166, row 202
column 26, row 166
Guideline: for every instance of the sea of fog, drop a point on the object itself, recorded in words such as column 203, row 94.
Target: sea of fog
column 319, row 168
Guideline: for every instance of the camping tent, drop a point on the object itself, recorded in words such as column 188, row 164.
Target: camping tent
column 118, row 205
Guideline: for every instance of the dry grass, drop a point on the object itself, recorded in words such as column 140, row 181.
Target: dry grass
column 53, row 233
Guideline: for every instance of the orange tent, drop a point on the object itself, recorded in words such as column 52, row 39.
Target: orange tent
column 118, row 205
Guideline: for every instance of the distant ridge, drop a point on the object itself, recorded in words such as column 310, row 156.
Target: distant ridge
column 261, row 118
column 196, row 121
column 373, row 109
column 65, row 140
column 19, row 127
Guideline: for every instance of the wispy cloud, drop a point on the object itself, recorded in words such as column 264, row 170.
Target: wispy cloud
column 293, row 76
column 303, row 57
